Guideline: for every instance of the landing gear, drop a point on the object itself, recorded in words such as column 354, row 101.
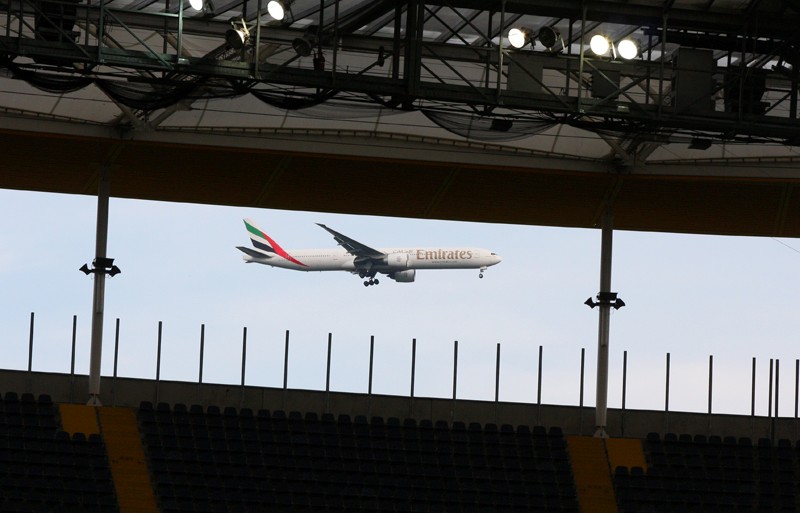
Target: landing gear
column 480, row 273
column 371, row 281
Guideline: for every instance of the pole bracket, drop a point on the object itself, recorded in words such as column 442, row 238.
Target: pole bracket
column 605, row 299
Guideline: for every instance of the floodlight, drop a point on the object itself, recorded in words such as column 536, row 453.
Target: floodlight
column 276, row 9
column 628, row 48
column 549, row 36
column 303, row 46
column 101, row 265
column 599, row 44
column 236, row 38
column 519, row 37
column 197, row 5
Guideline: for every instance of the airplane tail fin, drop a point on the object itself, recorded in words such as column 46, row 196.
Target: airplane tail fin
column 260, row 240
column 264, row 245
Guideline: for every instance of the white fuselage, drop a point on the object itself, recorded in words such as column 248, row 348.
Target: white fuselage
column 397, row 259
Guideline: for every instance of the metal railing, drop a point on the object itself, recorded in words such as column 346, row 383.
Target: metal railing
column 773, row 382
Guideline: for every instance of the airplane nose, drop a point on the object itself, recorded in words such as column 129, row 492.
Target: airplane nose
column 497, row 258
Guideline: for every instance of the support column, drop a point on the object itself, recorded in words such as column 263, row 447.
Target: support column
column 98, row 300
column 605, row 301
column 101, row 266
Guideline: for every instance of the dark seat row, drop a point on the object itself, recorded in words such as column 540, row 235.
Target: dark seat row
column 265, row 460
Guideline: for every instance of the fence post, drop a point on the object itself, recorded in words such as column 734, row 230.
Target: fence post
column 158, row 362
column 116, row 360
column 286, row 362
column 30, row 347
column 413, row 364
column 72, row 359
column 371, row 360
column 455, row 368
column 244, row 353
column 497, row 376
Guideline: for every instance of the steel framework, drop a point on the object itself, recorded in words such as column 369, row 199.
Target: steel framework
column 707, row 71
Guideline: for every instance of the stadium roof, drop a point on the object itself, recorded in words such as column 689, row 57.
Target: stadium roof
column 416, row 109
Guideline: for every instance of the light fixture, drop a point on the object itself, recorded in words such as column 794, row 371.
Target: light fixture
column 277, row 9
column 549, row 36
column 303, row 46
column 519, row 36
column 605, row 299
column 599, row 44
column 236, row 38
column 197, row 5
column 102, row 265
column 628, row 48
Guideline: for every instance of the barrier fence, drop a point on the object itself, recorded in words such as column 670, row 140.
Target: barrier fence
column 773, row 387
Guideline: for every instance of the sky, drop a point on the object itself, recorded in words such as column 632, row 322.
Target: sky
column 691, row 296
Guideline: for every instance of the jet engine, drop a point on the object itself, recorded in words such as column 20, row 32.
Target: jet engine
column 404, row 276
column 396, row 260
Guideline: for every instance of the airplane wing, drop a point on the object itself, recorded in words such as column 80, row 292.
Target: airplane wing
column 353, row 247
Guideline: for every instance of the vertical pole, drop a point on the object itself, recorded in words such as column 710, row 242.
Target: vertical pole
column 604, row 325
column 777, row 384
column 497, row 376
column 244, row 353
column 666, row 399
column 583, row 367
column 72, row 358
column 710, row 380
column 158, row 364
column 116, row 347
column 796, row 383
column 753, row 390
column 158, row 354
column 74, row 338
column 624, row 377
column 666, row 396
column 116, row 360
column 769, row 398
column 539, row 380
column 286, row 362
column 202, row 352
column 624, row 390
column 257, row 55
column 539, row 389
column 30, row 345
column 180, row 27
column 328, row 372
column 580, row 394
column 777, row 394
column 371, row 362
column 413, row 364
column 98, row 300
column 455, row 367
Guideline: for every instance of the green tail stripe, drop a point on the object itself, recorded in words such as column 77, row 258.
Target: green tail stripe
column 253, row 230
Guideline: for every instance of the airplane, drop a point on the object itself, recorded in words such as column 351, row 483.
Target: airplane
column 399, row 264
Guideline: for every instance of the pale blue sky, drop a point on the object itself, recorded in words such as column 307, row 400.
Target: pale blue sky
column 690, row 295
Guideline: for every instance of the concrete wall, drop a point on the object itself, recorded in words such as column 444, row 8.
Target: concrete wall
column 572, row 419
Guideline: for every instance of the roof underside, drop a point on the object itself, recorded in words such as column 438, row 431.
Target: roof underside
column 415, row 109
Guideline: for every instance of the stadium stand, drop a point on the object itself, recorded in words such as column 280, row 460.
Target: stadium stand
column 227, row 460
column 43, row 468
column 186, row 459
